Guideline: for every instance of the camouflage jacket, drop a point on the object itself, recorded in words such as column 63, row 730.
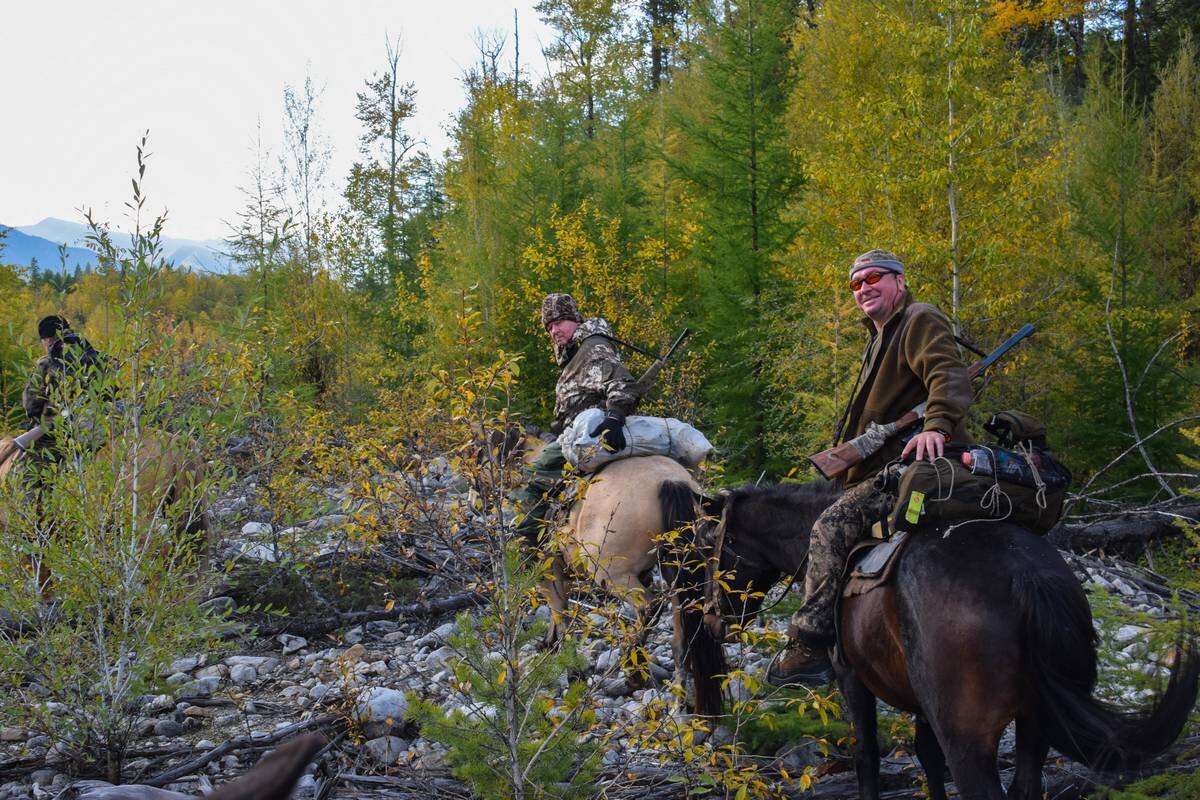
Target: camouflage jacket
column 592, row 375
column 49, row 380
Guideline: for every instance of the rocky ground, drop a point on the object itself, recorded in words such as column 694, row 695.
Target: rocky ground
column 220, row 711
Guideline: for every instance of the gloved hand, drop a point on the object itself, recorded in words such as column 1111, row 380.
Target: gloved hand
column 610, row 431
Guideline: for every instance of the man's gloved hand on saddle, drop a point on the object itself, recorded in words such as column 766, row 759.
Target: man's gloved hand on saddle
column 610, row 431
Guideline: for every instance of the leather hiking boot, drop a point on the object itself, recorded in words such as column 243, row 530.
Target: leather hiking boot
column 800, row 663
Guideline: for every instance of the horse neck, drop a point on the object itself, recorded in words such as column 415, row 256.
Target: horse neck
column 773, row 525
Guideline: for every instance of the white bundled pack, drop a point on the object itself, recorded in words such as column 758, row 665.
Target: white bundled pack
column 644, row 436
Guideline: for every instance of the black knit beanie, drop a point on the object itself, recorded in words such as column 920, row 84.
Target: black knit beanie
column 51, row 326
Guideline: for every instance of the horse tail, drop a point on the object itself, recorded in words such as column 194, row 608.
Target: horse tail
column 683, row 564
column 1060, row 663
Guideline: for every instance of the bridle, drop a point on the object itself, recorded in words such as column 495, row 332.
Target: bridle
column 711, row 608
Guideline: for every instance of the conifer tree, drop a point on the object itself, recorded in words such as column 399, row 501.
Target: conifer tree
column 741, row 173
column 1127, row 311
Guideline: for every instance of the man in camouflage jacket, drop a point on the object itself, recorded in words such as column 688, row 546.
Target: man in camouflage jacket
column 70, row 365
column 591, row 375
column 911, row 357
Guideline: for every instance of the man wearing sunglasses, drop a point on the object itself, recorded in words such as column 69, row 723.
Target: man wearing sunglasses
column 911, row 357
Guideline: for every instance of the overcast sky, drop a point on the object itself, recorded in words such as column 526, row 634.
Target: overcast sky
column 80, row 81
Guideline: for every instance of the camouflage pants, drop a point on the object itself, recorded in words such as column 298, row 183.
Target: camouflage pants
column 841, row 526
column 545, row 474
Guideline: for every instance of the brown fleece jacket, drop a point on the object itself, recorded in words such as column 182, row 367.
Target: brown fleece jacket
column 914, row 358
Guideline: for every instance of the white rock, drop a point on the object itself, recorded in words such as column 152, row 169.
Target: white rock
column 328, row 521
column 608, row 660
column 257, row 529
column 188, row 664
column 254, row 552
column 243, row 673
column 160, row 702
column 386, row 750
column 380, row 709
column 253, row 661
column 440, row 658
column 292, row 644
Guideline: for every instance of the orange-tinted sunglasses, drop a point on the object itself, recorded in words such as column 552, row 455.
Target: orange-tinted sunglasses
column 870, row 280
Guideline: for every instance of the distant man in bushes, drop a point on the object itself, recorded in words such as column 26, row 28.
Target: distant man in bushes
column 911, row 357
column 69, row 367
column 591, row 375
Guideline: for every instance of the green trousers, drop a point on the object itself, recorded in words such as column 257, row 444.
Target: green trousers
column 841, row 526
column 545, row 474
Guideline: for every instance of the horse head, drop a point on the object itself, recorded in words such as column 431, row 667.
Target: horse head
column 765, row 538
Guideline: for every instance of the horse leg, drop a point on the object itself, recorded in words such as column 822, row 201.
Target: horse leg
column 973, row 765
column 933, row 760
column 860, row 708
column 1031, row 755
column 556, row 588
column 630, row 589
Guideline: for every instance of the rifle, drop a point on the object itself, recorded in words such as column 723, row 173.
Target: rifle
column 836, row 460
column 643, row 383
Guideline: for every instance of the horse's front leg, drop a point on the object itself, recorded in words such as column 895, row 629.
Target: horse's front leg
column 630, row 589
column 933, row 760
column 556, row 587
column 860, row 708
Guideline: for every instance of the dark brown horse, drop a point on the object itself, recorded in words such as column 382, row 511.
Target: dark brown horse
column 975, row 630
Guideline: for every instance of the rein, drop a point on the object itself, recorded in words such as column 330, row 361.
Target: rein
column 712, row 588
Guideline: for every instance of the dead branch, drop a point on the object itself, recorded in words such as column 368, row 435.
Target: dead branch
column 321, row 625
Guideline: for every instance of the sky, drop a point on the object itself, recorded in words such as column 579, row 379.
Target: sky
column 81, row 81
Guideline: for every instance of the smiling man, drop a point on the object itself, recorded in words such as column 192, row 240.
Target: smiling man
column 911, row 357
column 591, row 375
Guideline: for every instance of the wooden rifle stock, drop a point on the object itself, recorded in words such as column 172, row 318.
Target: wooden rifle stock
column 836, row 460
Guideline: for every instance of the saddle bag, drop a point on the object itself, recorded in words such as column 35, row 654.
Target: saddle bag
column 1025, row 486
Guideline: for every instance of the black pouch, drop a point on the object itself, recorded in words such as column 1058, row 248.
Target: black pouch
column 1013, row 428
column 946, row 491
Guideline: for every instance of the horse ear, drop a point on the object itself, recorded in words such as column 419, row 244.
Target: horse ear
column 274, row 776
column 714, row 506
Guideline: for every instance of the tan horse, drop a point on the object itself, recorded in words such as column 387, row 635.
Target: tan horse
column 167, row 471
column 612, row 539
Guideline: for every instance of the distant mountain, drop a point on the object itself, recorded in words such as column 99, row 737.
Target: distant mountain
column 202, row 256
column 22, row 249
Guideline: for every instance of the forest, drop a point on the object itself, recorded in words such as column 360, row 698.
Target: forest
column 678, row 164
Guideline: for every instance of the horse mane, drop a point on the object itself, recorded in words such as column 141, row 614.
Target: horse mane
column 807, row 500
column 771, row 524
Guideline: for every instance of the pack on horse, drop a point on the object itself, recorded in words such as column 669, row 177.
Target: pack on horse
column 972, row 631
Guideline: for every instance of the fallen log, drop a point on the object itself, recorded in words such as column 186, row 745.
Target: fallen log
column 188, row 767
column 1124, row 529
